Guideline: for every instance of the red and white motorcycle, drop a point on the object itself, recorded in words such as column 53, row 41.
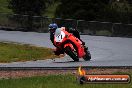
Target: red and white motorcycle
column 71, row 45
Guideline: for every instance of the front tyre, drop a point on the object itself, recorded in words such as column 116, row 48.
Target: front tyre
column 71, row 53
column 87, row 57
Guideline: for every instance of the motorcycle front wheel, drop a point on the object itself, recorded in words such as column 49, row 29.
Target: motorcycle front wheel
column 87, row 57
column 71, row 53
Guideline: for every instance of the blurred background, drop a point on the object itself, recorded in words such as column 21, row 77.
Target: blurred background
column 93, row 17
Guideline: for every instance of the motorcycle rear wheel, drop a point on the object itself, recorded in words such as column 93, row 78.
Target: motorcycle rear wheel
column 69, row 52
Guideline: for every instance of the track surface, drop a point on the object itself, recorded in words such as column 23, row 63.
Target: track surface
column 105, row 51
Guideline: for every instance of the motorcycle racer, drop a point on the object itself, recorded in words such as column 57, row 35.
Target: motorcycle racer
column 52, row 29
column 54, row 26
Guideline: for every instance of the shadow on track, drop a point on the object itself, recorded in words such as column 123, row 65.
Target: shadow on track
column 70, row 61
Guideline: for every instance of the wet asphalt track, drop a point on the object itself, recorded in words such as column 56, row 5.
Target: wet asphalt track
column 105, row 51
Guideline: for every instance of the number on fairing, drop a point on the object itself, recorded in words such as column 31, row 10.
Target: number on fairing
column 60, row 37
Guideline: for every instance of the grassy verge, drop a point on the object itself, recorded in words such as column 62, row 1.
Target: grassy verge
column 54, row 81
column 10, row 52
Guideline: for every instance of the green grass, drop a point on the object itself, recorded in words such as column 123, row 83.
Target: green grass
column 54, row 81
column 10, row 52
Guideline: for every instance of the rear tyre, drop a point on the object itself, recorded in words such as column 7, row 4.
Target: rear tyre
column 69, row 52
column 87, row 57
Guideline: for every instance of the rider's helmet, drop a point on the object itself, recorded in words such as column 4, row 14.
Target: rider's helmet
column 53, row 27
